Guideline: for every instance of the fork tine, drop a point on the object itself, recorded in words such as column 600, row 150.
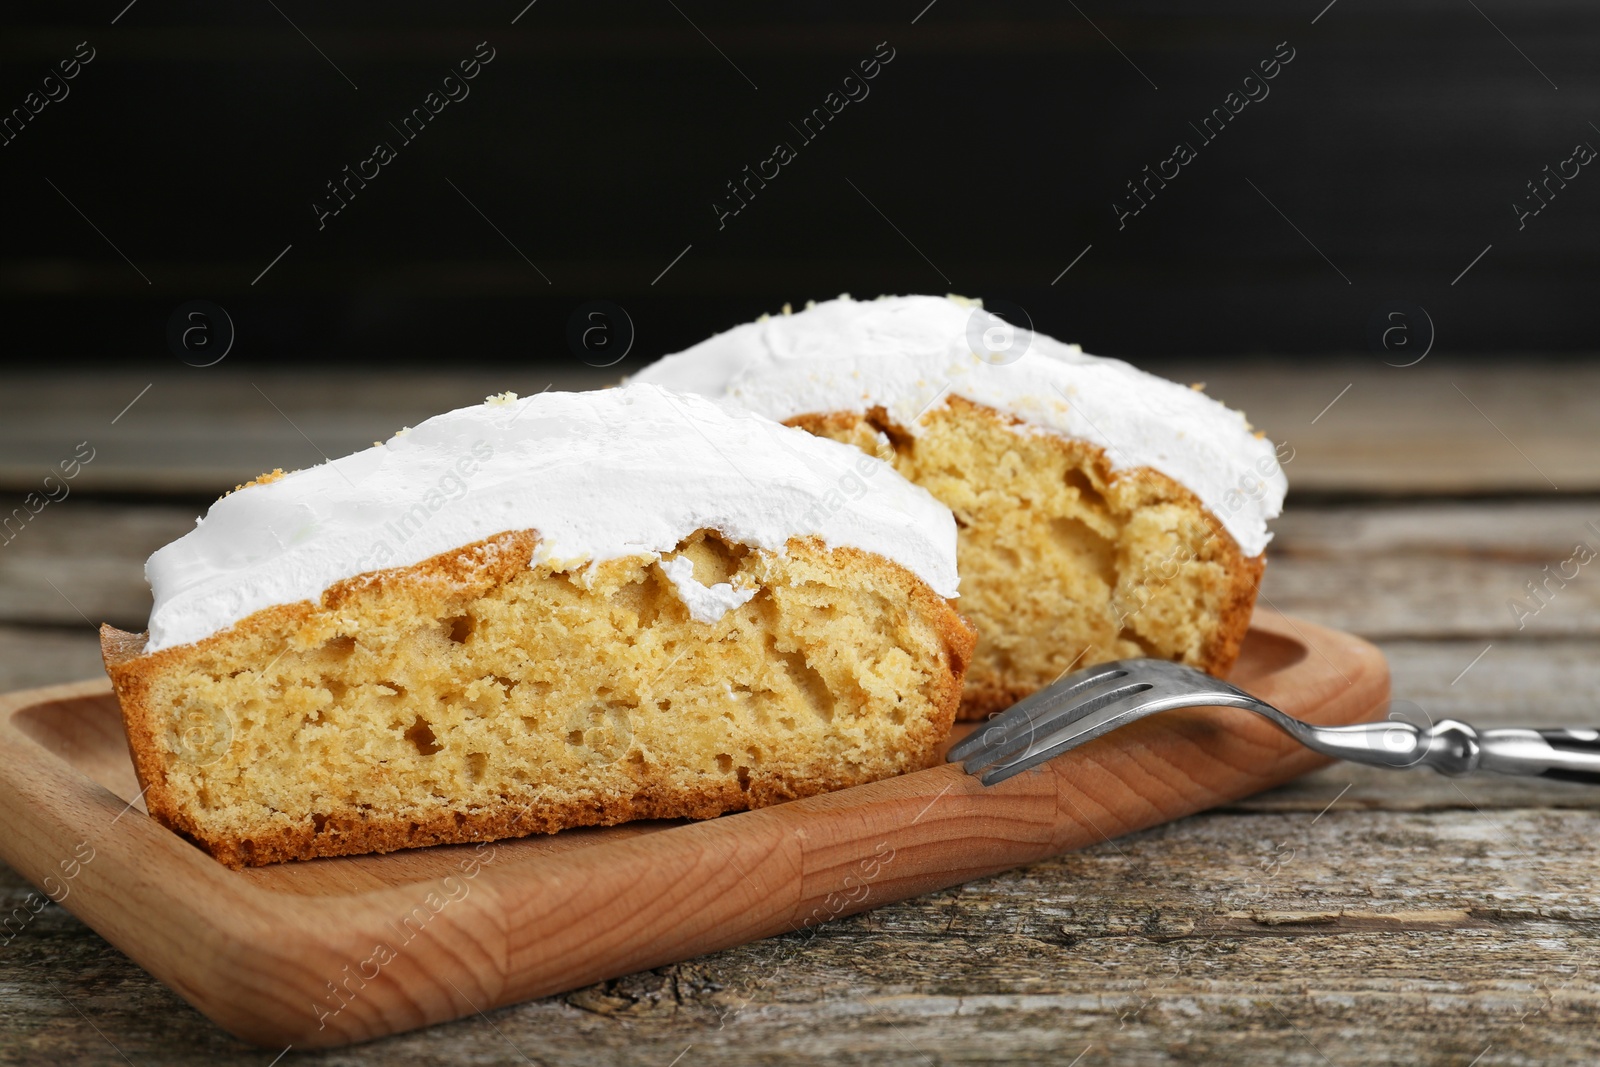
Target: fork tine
column 1124, row 693
column 1015, row 720
column 1127, row 707
column 1065, row 737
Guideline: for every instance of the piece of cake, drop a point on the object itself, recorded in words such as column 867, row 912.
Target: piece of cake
column 565, row 610
column 1104, row 513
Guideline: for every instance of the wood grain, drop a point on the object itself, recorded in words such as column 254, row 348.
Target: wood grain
column 520, row 919
column 1433, row 428
column 1441, row 569
column 1512, row 425
column 205, row 432
column 1362, row 937
column 43, row 655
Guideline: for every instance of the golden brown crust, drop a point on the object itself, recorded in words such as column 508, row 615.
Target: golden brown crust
column 120, row 651
column 1234, row 621
column 875, row 432
column 477, row 568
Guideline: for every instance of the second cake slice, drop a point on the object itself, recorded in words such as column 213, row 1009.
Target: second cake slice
column 1104, row 513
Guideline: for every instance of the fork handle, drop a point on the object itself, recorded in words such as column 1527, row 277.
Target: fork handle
column 1455, row 748
column 1568, row 755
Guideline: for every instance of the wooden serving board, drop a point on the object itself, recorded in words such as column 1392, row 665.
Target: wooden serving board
column 339, row 950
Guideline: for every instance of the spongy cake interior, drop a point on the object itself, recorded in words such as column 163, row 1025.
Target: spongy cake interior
column 481, row 697
column 1064, row 562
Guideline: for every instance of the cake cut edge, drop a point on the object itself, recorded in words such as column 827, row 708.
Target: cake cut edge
column 133, row 672
column 983, row 698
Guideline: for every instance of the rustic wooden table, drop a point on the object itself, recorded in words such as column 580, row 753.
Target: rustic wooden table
column 1354, row 916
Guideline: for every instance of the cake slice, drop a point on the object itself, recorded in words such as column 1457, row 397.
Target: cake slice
column 566, row 610
column 1104, row 512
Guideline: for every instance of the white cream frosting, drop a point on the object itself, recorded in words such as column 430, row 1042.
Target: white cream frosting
column 603, row 475
column 909, row 354
column 706, row 603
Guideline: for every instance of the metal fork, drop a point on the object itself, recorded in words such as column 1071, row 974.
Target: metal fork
column 1097, row 700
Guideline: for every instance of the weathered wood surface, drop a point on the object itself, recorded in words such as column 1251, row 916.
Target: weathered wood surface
column 205, row 431
column 1441, row 426
column 1405, row 919
column 1356, row 937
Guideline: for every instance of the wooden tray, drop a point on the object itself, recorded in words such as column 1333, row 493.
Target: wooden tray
column 340, row 950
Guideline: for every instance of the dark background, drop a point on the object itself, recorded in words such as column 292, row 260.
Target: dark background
column 991, row 149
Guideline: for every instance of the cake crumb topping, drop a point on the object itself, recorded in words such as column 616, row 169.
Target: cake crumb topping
column 261, row 479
